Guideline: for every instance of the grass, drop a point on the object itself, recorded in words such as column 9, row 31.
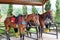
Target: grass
column 1, row 23
column 12, row 30
column 32, row 30
column 2, row 32
column 12, row 33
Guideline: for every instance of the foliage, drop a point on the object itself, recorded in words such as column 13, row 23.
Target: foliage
column 17, row 11
column 0, row 15
column 24, row 9
column 10, row 10
column 12, row 33
column 34, row 10
column 57, row 10
column 48, row 5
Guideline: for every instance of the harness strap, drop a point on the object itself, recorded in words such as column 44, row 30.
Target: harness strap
column 48, row 16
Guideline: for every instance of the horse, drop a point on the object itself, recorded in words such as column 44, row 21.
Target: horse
column 18, row 22
column 42, row 20
column 25, row 20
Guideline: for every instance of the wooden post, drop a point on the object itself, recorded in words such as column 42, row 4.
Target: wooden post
column 42, row 8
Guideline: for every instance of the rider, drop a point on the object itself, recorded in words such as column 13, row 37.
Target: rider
column 48, row 23
column 14, row 20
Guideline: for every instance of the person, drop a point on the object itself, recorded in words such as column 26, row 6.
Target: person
column 48, row 23
column 14, row 20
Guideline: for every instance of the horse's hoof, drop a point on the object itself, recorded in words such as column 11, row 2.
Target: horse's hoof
column 9, row 39
column 21, row 38
column 36, row 39
column 40, row 38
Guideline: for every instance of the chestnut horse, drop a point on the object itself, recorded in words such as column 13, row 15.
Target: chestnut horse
column 25, row 20
column 42, row 20
column 10, row 23
column 21, row 24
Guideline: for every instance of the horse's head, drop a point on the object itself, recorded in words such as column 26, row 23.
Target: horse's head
column 47, row 16
column 50, row 15
column 34, row 18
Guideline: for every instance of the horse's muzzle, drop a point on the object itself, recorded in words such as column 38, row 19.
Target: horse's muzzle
column 37, row 24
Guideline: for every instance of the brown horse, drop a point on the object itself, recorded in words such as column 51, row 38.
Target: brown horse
column 42, row 20
column 26, row 19
column 22, row 20
column 10, row 23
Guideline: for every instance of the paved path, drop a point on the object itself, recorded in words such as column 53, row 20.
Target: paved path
column 45, row 37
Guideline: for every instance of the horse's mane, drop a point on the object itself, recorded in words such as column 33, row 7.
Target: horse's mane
column 44, row 14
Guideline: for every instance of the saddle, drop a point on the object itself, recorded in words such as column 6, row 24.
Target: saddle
column 13, row 19
column 18, row 20
column 21, row 20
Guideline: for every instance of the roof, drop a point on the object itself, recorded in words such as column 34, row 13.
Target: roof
column 24, row 2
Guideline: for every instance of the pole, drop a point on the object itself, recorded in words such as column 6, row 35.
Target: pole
column 42, row 8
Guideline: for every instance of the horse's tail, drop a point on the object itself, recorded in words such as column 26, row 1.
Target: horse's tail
column 5, row 20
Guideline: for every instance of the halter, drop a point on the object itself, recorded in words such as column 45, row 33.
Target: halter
column 48, row 19
column 48, row 16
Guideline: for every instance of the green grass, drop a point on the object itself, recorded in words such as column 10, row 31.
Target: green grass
column 12, row 33
column 2, row 32
column 32, row 30
column 1, row 23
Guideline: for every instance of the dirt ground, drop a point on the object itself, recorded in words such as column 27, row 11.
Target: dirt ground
column 45, row 37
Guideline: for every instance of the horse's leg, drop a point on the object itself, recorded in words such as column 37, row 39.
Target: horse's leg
column 7, row 32
column 41, row 29
column 16, row 32
column 28, row 29
column 21, row 32
column 41, row 33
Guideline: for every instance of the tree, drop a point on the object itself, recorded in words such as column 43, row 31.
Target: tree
column 10, row 10
column 57, row 10
column 0, row 14
column 47, row 5
column 34, row 10
column 24, row 9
